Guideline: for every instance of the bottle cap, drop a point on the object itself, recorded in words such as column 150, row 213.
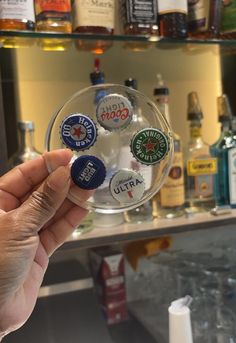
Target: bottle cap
column 127, row 186
column 224, row 109
column 194, row 108
column 114, row 111
column 78, row 132
column 149, row 146
column 88, row 172
column 131, row 83
column 25, row 125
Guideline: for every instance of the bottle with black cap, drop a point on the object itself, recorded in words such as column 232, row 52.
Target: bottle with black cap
column 142, row 213
column 169, row 202
column 27, row 150
column 200, row 165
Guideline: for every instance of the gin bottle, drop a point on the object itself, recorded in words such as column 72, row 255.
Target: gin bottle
column 144, row 212
column 27, row 150
column 220, row 151
column 200, row 165
column 169, row 202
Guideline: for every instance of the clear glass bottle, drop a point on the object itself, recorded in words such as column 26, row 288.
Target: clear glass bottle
column 27, row 150
column 220, row 150
column 142, row 213
column 17, row 16
column 204, row 18
column 94, row 17
column 139, row 19
column 173, row 20
column 170, row 200
column 53, row 16
column 200, row 165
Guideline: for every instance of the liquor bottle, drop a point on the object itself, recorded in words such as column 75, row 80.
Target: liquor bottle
column 53, row 16
column 142, row 213
column 228, row 20
column 17, row 15
column 220, row 150
column 204, row 18
column 94, row 17
column 139, row 19
column 173, row 21
column 200, row 165
column 169, row 201
column 27, row 150
column 232, row 165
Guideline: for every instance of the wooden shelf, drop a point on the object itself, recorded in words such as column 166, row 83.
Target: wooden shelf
column 156, row 228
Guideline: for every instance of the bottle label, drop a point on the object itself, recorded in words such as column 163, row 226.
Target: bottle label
column 198, row 14
column 203, row 185
column 172, row 193
column 232, row 175
column 17, row 9
column 228, row 22
column 170, row 6
column 195, row 132
column 139, row 11
column 94, row 13
column 198, row 167
column 56, row 9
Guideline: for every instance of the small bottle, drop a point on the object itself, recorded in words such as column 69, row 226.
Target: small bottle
column 17, row 16
column 53, row 16
column 220, row 150
column 27, row 150
column 204, row 18
column 170, row 200
column 228, row 20
column 94, row 17
column 142, row 213
column 140, row 19
column 200, row 165
column 173, row 20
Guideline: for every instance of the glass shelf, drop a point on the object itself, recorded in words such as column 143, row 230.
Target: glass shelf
column 141, row 38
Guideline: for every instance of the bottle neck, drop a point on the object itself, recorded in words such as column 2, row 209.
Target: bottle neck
column 26, row 140
column 225, row 126
column 195, row 130
column 163, row 105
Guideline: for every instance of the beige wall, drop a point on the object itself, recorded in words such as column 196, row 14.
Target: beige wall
column 46, row 79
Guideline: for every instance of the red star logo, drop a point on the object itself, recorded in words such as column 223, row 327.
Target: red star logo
column 78, row 132
column 150, row 146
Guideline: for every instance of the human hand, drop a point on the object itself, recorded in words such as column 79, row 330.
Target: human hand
column 35, row 219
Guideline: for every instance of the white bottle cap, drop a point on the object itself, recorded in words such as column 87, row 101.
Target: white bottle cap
column 180, row 330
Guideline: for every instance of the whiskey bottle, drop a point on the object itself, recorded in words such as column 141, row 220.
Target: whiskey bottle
column 204, row 18
column 53, row 16
column 27, row 150
column 173, row 21
column 142, row 213
column 139, row 18
column 169, row 201
column 17, row 15
column 94, row 17
column 220, row 150
column 200, row 165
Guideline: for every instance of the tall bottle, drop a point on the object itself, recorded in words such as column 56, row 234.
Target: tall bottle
column 173, row 21
column 17, row 15
column 142, row 213
column 169, row 201
column 53, row 16
column 27, row 150
column 139, row 19
column 220, row 150
column 200, row 165
column 94, row 17
column 204, row 18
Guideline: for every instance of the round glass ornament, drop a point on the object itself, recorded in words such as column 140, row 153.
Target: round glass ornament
column 132, row 139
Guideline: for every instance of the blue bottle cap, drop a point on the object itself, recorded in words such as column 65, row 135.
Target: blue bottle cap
column 78, row 132
column 88, row 172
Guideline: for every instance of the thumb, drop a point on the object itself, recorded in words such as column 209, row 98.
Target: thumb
column 46, row 200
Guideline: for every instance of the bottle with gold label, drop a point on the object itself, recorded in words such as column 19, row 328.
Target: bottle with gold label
column 200, row 165
column 169, row 202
